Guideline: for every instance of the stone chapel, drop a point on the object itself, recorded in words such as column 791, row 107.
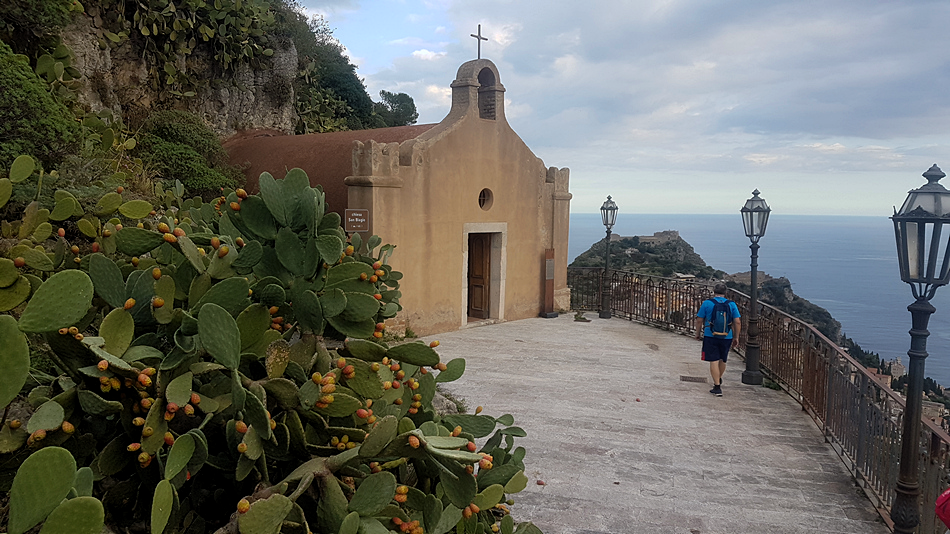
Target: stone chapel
column 479, row 223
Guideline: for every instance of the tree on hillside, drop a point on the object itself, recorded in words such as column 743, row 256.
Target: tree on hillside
column 396, row 109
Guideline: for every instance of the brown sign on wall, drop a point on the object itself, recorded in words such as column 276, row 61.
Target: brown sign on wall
column 356, row 221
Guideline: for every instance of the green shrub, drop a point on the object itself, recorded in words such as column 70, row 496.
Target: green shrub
column 177, row 145
column 31, row 120
column 23, row 22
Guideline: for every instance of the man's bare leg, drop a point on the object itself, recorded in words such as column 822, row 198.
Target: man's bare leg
column 722, row 370
column 715, row 369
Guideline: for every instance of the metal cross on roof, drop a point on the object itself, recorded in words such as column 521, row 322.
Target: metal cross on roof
column 480, row 39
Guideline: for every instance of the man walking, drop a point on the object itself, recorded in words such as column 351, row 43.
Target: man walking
column 718, row 324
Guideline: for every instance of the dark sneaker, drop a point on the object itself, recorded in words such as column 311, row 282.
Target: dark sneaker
column 716, row 390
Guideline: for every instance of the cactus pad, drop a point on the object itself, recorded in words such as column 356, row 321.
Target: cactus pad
column 49, row 416
column 219, row 334
column 135, row 209
column 108, row 204
column 118, row 329
column 162, row 503
column 82, row 515
column 15, row 294
column 415, row 354
column 107, row 280
column 30, row 501
column 137, row 241
column 453, row 371
column 373, row 494
column 61, row 301
column 265, row 516
column 179, row 456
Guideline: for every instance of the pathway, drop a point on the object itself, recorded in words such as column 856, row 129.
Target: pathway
column 623, row 445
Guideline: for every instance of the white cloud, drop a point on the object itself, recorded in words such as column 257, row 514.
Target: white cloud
column 427, row 55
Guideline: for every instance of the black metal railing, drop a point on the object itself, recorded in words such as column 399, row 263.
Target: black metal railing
column 858, row 413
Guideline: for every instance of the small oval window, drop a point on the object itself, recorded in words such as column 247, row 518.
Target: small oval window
column 485, row 199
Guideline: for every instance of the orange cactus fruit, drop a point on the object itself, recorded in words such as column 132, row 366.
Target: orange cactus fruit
column 441, row 366
column 394, row 367
column 68, row 427
column 273, row 424
column 402, row 490
column 170, row 238
column 375, row 367
column 195, row 399
column 240, row 427
column 471, row 446
column 341, row 363
column 14, row 424
column 242, row 448
column 242, row 194
column 158, row 302
column 239, row 242
column 329, row 388
column 95, row 246
column 371, row 419
column 61, row 232
column 316, row 378
column 140, row 225
column 348, row 370
column 63, row 331
column 243, row 506
column 378, row 334
column 19, row 262
column 119, row 189
column 102, row 365
column 146, row 403
column 414, row 442
column 149, row 371
column 417, row 397
column 329, row 379
column 38, row 435
column 169, row 416
column 115, row 383
column 484, row 463
column 145, row 459
column 380, row 272
column 362, row 413
column 273, row 309
column 456, row 431
column 129, row 304
column 478, row 410
column 145, row 380
column 397, row 402
column 78, row 337
column 235, row 206
column 189, row 410
column 413, row 410
column 373, row 278
column 135, row 261
column 147, row 431
column 215, row 242
column 434, row 344
column 400, row 375
column 397, row 385
column 363, row 276
column 400, row 498
column 377, row 296
column 277, row 320
column 179, row 232
column 171, row 407
column 423, row 370
column 380, row 327
column 387, row 385
column 156, row 273
column 467, row 512
column 163, row 228
column 74, row 249
column 169, row 439
column 106, row 233
column 349, row 250
column 377, row 265
column 326, row 399
column 133, row 447
column 223, row 251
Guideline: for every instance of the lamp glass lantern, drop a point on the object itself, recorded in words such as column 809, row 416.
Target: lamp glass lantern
column 755, row 216
column 608, row 212
column 922, row 239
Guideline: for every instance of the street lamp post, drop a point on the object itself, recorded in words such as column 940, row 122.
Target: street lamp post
column 923, row 250
column 755, row 216
column 608, row 212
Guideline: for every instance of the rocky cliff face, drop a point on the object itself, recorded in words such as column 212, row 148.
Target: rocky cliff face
column 118, row 79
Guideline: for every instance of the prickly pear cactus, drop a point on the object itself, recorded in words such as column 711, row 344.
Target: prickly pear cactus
column 198, row 385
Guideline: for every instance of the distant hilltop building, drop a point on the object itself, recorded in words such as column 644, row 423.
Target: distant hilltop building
column 897, row 368
column 657, row 238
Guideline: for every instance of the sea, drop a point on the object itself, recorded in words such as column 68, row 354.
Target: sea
column 845, row 264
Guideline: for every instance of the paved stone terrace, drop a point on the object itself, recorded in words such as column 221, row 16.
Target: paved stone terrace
column 623, row 445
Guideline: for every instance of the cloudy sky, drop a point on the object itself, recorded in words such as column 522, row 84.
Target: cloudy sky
column 686, row 106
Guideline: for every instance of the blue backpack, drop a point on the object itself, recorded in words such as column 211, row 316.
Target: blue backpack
column 720, row 321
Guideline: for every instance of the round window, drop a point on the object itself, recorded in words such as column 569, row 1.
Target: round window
column 485, row 199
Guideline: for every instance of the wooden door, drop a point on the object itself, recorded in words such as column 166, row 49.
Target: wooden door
column 479, row 275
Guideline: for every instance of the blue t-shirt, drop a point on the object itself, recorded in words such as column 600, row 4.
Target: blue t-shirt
column 705, row 312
